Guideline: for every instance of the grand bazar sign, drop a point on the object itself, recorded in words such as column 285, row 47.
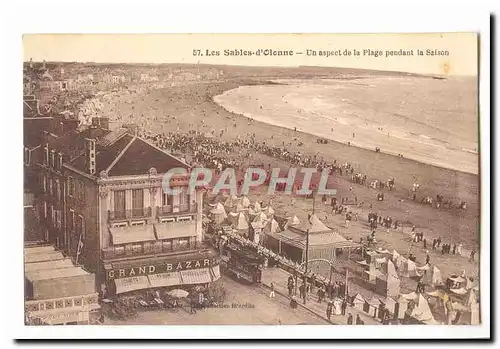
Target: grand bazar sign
column 162, row 268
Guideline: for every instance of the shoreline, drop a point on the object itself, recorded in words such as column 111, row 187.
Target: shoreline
column 413, row 156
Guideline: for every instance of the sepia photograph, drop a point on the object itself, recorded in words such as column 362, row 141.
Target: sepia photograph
column 252, row 179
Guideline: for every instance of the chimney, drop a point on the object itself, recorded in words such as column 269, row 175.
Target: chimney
column 90, row 155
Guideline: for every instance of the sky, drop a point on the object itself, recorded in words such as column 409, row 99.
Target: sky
column 178, row 48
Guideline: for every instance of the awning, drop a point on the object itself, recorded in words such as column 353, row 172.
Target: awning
column 131, row 284
column 196, row 276
column 125, row 235
column 165, row 279
column 175, row 230
column 215, row 271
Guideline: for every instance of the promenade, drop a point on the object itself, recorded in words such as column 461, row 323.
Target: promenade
column 279, row 278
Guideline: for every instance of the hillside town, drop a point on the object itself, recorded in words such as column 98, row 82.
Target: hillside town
column 105, row 243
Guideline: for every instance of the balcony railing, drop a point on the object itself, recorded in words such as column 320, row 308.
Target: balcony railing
column 148, row 248
column 130, row 214
column 170, row 210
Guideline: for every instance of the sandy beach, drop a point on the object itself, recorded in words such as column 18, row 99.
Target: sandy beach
column 427, row 120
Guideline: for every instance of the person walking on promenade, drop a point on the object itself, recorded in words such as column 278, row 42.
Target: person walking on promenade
column 350, row 319
column 272, row 294
column 329, row 309
column 359, row 321
column 344, row 305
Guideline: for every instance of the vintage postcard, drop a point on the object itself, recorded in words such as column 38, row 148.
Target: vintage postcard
column 252, row 179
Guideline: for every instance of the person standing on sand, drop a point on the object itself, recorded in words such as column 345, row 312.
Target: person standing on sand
column 472, row 254
column 459, row 249
column 350, row 319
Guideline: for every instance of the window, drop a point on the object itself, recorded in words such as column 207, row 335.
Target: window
column 166, row 245
column 183, row 197
column 53, row 159
column 51, row 188
column 71, row 186
column 71, row 219
column 137, row 248
column 44, row 183
column 120, row 250
column 58, row 189
column 167, row 220
column 182, row 243
column 119, row 203
column 167, row 200
column 46, row 155
column 137, row 223
column 120, row 225
column 60, row 162
column 81, row 191
column 138, row 202
column 184, row 219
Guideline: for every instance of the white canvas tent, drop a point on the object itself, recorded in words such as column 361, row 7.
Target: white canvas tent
column 292, row 221
column 260, row 217
column 271, row 226
column 269, row 211
column 240, row 223
column 218, row 213
column 358, row 302
column 257, row 207
column 432, row 277
column 409, row 269
column 230, row 201
column 245, row 202
column 402, row 306
column 422, row 311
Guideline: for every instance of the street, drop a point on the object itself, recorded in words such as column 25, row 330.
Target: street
column 245, row 305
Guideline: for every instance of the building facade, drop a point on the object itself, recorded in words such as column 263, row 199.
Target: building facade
column 103, row 203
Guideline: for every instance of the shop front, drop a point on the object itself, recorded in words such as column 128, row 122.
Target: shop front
column 172, row 271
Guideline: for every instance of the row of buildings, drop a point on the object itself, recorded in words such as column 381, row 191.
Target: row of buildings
column 97, row 197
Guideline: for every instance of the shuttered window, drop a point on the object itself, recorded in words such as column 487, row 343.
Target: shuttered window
column 119, row 203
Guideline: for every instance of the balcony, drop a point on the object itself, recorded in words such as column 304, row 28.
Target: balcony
column 129, row 214
column 151, row 248
column 172, row 210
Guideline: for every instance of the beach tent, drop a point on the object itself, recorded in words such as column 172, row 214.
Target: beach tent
column 373, row 306
column 292, row 221
column 257, row 207
column 410, row 269
column 400, row 263
column 422, row 311
column 245, row 202
column 230, row 201
column 269, row 211
column 400, row 307
column 218, row 213
column 260, row 217
column 432, row 277
column 317, row 225
column 240, row 223
column 395, row 256
column 358, row 302
column 271, row 226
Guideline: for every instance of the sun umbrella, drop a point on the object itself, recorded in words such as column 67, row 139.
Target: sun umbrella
column 178, row 293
